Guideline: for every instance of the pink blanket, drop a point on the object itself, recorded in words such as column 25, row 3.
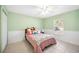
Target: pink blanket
column 40, row 48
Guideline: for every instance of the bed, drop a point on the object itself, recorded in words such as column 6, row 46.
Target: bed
column 39, row 41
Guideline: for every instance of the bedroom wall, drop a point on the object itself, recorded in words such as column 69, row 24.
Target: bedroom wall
column 70, row 20
column 48, row 23
column 18, row 22
column 71, row 26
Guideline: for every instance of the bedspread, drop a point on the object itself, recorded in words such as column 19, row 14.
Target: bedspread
column 40, row 41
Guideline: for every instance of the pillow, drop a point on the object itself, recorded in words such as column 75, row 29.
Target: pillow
column 31, row 37
column 35, row 32
column 29, row 32
column 39, row 32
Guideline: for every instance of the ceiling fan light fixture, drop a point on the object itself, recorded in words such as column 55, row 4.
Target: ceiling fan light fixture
column 45, row 9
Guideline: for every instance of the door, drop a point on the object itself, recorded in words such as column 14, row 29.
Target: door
column 3, row 31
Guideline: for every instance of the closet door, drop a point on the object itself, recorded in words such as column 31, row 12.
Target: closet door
column 3, row 31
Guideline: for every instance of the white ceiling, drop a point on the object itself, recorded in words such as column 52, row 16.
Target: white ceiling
column 33, row 10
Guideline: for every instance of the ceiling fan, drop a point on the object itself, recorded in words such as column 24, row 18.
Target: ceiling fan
column 45, row 9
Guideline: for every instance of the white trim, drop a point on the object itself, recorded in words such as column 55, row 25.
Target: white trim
column 15, row 36
column 69, row 36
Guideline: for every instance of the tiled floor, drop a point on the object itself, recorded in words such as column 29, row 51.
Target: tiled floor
column 25, row 47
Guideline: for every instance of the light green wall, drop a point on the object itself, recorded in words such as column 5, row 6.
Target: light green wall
column 48, row 23
column 71, row 20
column 19, row 22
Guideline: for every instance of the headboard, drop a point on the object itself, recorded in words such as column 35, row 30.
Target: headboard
column 25, row 31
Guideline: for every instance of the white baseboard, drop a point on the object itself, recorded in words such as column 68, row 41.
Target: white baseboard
column 15, row 36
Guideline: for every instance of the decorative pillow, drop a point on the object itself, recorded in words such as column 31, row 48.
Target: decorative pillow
column 29, row 32
column 39, row 32
column 35, row 32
